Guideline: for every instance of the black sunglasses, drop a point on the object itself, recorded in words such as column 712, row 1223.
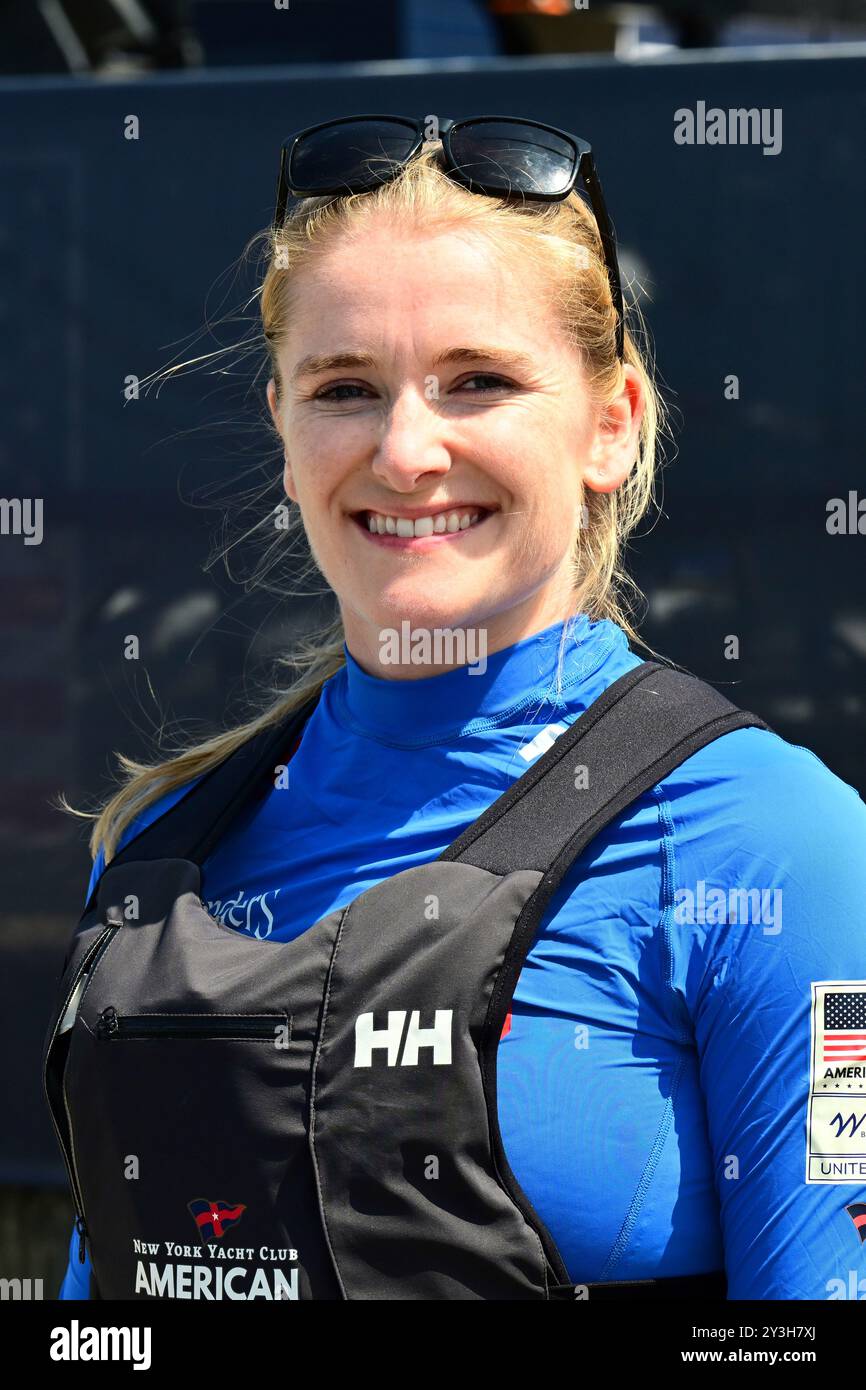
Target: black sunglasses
column 493, row 155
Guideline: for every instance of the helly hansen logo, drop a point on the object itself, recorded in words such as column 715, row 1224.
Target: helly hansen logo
column 425, row 1044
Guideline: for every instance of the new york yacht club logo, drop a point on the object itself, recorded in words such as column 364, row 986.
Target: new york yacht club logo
column 213, row 1219
column 215, row 1269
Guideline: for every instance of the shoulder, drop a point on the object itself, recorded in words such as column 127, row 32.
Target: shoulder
column 753, row 787
column 762, row 832
column 145, row 817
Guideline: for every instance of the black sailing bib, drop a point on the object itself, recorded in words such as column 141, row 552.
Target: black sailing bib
column 317, row 1118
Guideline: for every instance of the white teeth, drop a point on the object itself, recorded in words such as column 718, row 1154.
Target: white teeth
column 423, row 526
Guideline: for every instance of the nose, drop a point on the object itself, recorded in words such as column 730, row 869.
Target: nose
column 412, row 443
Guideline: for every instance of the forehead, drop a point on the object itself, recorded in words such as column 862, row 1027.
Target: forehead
column 385, row 281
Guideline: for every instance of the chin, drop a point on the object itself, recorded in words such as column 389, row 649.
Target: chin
column 419, row 612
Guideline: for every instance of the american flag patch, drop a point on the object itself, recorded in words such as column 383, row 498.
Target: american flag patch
column 844, row 1031
column 836, row 1114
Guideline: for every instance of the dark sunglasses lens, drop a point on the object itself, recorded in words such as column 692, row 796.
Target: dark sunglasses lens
column 350, row 154
column 516, row 158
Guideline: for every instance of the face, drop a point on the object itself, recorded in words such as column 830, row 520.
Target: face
column 430, row 393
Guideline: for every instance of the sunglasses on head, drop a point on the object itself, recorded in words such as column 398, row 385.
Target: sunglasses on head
column 492, row 155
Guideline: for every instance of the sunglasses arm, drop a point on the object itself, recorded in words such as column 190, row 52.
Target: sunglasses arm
column 608, row 241
column 282, row 191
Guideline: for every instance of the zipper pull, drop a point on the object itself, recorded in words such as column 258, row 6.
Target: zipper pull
column 107, row 1022
column 82, row 1233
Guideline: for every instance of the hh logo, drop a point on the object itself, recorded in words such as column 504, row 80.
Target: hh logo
column 435, row 1040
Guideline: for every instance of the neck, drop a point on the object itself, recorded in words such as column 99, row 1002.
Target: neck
column 412, row 649
column 541, row 673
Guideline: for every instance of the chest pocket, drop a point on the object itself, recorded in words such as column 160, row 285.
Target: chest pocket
column 178, row 1079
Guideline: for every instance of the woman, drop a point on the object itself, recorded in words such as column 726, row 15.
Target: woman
column 639, row 977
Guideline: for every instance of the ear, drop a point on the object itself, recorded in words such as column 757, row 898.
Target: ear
column 615, row 444
column 288, row 479
column 271, row 393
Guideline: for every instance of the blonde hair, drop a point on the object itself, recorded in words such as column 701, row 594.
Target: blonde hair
column 561, row 240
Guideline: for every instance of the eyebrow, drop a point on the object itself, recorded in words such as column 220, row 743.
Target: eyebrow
column 334, row 361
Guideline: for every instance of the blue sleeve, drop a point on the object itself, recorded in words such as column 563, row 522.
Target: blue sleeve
column 76, row 1283
column 769, row 933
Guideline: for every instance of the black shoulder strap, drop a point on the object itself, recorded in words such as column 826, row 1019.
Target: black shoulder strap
column 191, row 828
column 636, row 732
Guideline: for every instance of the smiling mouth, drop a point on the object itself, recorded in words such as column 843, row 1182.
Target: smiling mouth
column 445, row 525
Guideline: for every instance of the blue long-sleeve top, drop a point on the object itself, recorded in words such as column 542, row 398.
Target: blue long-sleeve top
column 655, row 1086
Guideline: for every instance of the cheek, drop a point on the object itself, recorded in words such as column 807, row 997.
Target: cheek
column 322, row 453
column 307, row 471
column 533, row 452
column 290, row 486
column 547, row 499
column 314, row 488
column 545, row 492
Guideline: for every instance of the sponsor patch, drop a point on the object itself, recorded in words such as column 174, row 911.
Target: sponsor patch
column 857, row 1213
column 836, row 1116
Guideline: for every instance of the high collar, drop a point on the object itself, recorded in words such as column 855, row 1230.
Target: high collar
column 415, row 713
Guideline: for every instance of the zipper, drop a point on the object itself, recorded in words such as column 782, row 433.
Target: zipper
column 88, row 964
column 113, row 1025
